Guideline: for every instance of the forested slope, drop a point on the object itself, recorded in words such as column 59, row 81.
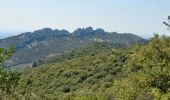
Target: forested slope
column 140, row 72
column 136, row 73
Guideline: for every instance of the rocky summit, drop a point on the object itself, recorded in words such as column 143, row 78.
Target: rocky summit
column 32, row 46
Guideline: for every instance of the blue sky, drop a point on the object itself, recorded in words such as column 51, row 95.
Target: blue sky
column 141, row 17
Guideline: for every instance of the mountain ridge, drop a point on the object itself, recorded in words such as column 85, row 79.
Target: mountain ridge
column 32, row 46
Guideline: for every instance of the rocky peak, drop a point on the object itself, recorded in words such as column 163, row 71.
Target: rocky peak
column 83, row 31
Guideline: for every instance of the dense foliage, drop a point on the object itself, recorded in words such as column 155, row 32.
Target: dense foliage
column 141, row 72
column 8, row 79
column 147, row 72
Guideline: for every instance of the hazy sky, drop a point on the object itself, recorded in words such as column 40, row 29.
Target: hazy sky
column 141, row 17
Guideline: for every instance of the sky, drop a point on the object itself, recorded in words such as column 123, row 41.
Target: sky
column 140, row 17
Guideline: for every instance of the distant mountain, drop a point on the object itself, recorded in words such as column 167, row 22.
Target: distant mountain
column 32, row 46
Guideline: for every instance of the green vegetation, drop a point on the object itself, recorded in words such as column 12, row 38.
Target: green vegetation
column 147, row 72
column 8, row 79
column 91, row 49
column 99, row 72
column 77, row 77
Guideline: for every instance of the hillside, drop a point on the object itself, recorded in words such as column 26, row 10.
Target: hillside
column 90, row 49
column 31, row 47
column 140, row 72
column 136, row 73
column 83, row 74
